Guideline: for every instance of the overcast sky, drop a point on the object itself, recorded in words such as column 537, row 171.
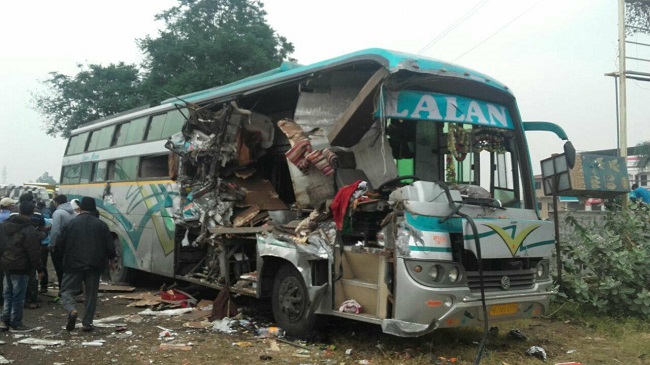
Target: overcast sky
column 553, row 54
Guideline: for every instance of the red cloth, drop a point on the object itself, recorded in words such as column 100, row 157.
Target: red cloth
column 340, row 203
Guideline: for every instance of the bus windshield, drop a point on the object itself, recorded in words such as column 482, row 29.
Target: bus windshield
column 481, row 160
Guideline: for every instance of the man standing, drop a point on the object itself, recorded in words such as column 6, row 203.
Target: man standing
column 87, row 245
column 60, row 218
column 20, row 257
column 38, row 222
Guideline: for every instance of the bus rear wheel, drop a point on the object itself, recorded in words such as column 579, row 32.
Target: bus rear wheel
column 290, row 303
column 118, row 272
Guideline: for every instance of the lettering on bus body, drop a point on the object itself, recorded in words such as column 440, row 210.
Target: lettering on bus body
column 444, row 107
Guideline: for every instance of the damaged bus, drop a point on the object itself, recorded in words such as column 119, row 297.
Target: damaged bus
column 377, row 186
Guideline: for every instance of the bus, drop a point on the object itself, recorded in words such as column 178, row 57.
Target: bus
column 377, row 186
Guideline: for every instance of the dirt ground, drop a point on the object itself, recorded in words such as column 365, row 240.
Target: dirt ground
column 610, row 342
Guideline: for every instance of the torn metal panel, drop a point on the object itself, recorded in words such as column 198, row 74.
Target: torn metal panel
column 373, row 156
column 358, row 117
column 311, row 188
column 288, row 247
column 240, row 230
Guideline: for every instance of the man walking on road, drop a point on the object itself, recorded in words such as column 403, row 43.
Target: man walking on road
column 86, row 245
column 60, row 218
column 20, row 257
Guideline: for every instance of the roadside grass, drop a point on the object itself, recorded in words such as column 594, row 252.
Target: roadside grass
column 570, row 333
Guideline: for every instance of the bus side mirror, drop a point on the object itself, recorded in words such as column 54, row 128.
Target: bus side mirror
column 570, row 153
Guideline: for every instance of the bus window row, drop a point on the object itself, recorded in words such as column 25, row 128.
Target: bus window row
column 148, row 128
column 123, row 169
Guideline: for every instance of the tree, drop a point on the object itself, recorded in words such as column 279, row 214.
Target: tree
column 642, row 150
column 93, row 93
column 46, row 179
column 209, row 43
column 637, row 15
column 206, row 43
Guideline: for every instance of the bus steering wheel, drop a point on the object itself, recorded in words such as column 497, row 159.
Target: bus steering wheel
column 395, row 182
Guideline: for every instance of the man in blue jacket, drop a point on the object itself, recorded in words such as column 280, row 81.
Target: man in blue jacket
column 87, row 246
column 641, row 194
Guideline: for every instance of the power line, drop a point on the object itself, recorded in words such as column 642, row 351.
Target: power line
column 453, row 26
column 499, row 30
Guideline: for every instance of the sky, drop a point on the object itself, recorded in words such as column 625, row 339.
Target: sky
column 552, row 54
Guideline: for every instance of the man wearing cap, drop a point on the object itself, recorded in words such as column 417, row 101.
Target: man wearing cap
column 20, row 257
column 6, row 206
column 87, row 245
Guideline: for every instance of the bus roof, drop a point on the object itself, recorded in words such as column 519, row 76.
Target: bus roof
column 392, row 60
column 287, row 72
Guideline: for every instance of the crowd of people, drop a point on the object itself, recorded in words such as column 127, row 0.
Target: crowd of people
column 80, row 245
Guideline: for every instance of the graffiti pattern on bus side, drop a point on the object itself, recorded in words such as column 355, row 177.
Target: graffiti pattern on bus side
column 157, row 200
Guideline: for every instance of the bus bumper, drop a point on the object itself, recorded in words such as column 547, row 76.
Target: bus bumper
column 421, row 309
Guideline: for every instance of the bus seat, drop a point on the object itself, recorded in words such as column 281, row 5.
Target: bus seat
column 348, row 176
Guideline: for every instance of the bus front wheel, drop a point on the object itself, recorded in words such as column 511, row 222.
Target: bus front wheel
column 118, row 272
column 290, row 302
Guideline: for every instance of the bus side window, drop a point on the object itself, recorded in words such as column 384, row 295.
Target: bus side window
column 77, row 144
column 155, row 127
column 98, row 171
column 91, row 145
column 154, row 166
column 136, row 130
column 119, row 137
column 71, row 142
column 105, row 137
column 174, row 122
column 124, row 169
column 86, row 169
column 70, row 174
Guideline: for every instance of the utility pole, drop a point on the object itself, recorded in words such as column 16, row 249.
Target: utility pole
column 622, row 143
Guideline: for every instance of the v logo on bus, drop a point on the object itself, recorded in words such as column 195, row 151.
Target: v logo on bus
column 513, row 243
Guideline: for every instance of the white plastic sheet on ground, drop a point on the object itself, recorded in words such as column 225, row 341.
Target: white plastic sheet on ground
column 167, row 312
column 40, row 341
column 223, row 325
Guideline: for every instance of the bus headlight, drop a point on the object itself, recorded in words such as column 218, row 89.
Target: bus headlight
column 434, row 271
column 453, row 274
column 542, row 269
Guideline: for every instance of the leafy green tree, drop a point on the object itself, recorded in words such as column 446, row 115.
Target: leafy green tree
column 637, row 15
column 606, row 264
column 642, row 150
column 206, row 43
column 46, row 179
column 209, row 43
column 94, row 92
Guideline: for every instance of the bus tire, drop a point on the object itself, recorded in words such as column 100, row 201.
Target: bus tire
column 118, row 272
column 290, row 302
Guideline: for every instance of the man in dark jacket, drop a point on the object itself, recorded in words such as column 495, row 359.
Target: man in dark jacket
column 20, row 257
column 31, row 297
column 87, row 245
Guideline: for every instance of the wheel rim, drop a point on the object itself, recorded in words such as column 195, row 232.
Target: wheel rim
column 292, row 299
